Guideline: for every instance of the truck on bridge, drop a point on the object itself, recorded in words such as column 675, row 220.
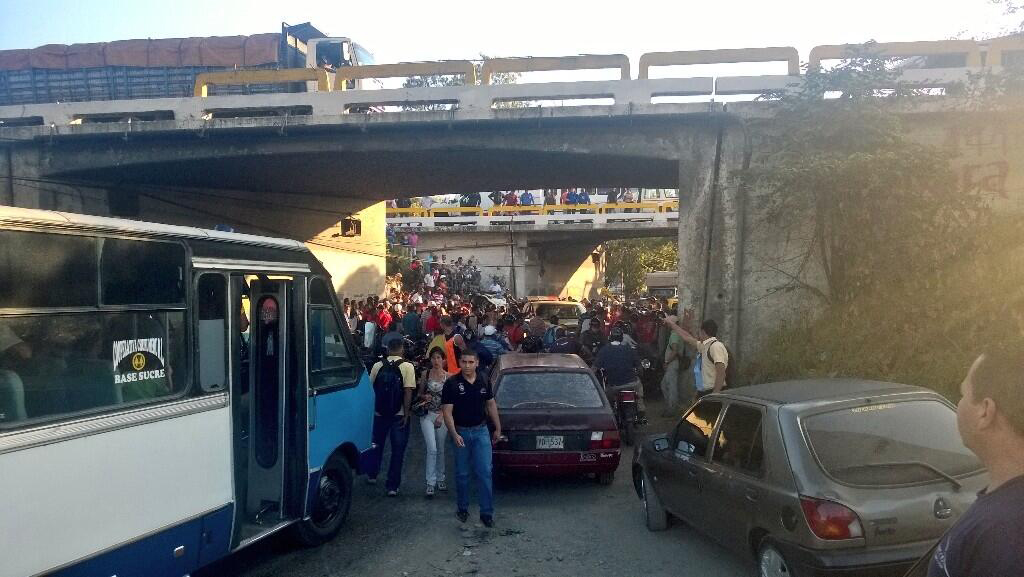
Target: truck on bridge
column 168, row 67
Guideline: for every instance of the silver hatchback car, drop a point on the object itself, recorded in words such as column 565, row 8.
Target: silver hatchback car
column 815, row 477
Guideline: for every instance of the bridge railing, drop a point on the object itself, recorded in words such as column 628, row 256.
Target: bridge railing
column 478, row 99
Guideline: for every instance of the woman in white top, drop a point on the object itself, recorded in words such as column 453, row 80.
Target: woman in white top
column 429, row 409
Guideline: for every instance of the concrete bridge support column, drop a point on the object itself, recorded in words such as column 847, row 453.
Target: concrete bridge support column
column 711, row 225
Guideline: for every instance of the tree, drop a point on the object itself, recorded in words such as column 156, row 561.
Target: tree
column 868, row 205
column 439, row 80
column 629, row 260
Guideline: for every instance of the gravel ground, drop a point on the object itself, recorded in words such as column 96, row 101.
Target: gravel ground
column 544, row 528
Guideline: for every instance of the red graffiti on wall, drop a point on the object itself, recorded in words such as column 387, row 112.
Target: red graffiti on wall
column 988, row 177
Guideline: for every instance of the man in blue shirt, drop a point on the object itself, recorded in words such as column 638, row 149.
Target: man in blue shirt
column 988, row 540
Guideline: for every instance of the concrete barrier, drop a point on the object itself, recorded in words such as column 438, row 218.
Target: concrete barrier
column 787, row 54
column 463, row 68
column 968, row 48
column 550, row 63
column 239, row 77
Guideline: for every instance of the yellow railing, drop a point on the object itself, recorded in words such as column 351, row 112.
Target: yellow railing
column 507, row 210
column 549, row 63
column 630, row 206
column 670, row 206
column 411, row 211
column 450, row 210
column 726, row 56
column 567, row 208
column 240, row 77
column 464, row 68
column 969, row 48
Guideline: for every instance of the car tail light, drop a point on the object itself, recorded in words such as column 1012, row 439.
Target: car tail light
column 830, row 520
column 604, row 440
column 627, row 396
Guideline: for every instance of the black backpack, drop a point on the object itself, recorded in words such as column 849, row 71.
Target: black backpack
column 389, row 388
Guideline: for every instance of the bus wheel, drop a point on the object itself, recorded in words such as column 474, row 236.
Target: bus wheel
column 330, row 509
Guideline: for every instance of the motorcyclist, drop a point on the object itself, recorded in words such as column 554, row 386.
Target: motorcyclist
column 620, row 365
column 593, row 339
column 567, row 343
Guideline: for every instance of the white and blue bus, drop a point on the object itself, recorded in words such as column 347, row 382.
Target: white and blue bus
column 168, row 395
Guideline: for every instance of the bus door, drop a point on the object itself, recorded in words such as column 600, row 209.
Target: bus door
column 269, row 405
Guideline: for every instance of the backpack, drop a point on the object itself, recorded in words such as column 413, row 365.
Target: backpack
column 389, row 388
column 531, row 345
column 729, row 372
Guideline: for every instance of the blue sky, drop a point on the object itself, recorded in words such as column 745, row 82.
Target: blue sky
column 403, row 31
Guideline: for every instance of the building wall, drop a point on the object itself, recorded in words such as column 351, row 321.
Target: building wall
column 357, row 264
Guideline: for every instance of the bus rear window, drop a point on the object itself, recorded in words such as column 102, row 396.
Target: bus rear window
column 40, row 270
column 890, row 444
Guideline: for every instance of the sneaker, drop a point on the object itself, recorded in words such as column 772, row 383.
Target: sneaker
column 487, row 520
column 371, row 480
column 392, row 492
column 442, row 486
column 462, row 516
column 430, row 491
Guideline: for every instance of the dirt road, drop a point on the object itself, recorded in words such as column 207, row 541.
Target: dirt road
column 545, row 528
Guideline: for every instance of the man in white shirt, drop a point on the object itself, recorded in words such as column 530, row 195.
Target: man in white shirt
column 712, row 353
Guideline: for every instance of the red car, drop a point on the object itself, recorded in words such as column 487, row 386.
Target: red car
column 555, row 417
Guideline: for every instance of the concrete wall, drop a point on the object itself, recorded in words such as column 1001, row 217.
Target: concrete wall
column 357, row 264
column 561, row 269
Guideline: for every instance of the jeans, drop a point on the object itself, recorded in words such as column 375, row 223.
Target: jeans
column 383, row 429
column 475, row 457
column 434, row 438
column 670, row 386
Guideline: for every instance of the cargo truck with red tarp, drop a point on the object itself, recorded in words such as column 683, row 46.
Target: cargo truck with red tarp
column 167, row 67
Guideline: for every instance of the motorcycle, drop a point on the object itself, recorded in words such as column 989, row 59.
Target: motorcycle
column 627, row 417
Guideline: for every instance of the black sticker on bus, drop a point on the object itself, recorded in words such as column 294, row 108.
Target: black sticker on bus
column 138, row 360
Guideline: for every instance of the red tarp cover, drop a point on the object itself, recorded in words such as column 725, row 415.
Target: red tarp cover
column 189, row 52
column 48, row 56
column 261, row 49
column 14, row 59
column 165, row 53
column 125, row 52
column 85, row 56
column 225, row 51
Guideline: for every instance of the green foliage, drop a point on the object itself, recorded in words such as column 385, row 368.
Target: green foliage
column 629, row 260
column 869, row 205
column 921, row 334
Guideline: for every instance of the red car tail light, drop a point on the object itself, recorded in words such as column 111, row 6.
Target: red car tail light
column 627, row 396
column 830, row 520
column 604, row 440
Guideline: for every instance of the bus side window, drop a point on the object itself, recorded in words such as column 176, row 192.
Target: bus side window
column 331, row 360
column 211, row 333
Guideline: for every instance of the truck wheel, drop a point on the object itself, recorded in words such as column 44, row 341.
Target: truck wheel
column 331, row 506
column 654, row 514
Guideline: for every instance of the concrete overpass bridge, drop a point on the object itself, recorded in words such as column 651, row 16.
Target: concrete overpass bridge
column 535, row 250
column 300, row 165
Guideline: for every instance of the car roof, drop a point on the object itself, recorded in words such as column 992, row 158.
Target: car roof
column 540, row 361
column 817, row 390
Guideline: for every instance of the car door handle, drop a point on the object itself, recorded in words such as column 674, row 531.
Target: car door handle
column 751, row 495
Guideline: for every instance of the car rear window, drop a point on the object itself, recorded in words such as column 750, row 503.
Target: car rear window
column 532, row 390
column 563, row 311
column 890, row 443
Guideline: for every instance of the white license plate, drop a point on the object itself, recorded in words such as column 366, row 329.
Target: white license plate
column 550, row 442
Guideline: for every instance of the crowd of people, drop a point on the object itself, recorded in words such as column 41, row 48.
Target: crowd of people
column 430, row 354
column 547, row 197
